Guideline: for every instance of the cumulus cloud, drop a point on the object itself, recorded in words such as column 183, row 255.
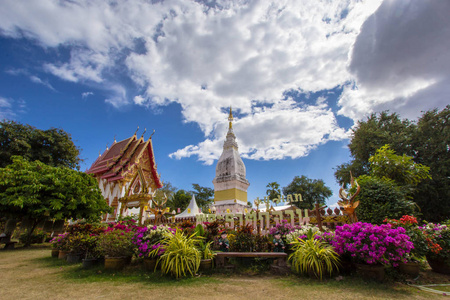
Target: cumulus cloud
column 208, row 55
column 400, row 60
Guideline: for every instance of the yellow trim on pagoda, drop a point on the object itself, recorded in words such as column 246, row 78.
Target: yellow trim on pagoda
column 230, row 194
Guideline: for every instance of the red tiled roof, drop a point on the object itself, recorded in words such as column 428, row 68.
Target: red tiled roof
column 115, row 162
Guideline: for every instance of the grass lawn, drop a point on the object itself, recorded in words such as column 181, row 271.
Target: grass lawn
column 33, row 274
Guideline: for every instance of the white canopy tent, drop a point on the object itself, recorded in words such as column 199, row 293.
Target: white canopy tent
column 191, row 211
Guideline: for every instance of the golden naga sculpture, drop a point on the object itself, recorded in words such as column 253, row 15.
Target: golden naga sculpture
column 348, row 203
column 159, row 209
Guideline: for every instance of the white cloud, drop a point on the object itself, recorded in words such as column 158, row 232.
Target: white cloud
column 247, row 54
column 400, row 60
column 37, row 80
column 6, row 108
column 86, row 94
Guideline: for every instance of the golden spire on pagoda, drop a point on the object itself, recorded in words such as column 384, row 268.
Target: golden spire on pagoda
column 230, row 119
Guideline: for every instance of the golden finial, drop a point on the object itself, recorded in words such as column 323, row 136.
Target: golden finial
column 145, row 130
column 99, row 153
column 107, row 148
column 115, row 138
column 230, row 118
column 152, row 134
column 136, row 130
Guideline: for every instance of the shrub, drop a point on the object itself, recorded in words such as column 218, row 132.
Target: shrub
column 438, row 241
column 381, row 198
column 372, row 244
column 415, row 233
column 146, row 239
column 116, row 243
column 60, row 242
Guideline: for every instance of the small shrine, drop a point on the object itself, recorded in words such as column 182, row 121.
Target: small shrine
column 127, row 176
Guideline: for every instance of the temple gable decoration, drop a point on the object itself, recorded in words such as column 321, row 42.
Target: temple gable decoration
column 127, row 175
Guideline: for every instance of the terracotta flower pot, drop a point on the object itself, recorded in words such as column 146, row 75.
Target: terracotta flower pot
column 115, row 263
column 410, row 268
column 374, row 272
column 63, row 254
column 438, row 265
column 55, row 252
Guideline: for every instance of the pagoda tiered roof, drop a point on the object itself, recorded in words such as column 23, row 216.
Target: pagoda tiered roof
column 121, row 158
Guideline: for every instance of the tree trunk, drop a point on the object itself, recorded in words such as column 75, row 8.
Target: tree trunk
column 30, row 232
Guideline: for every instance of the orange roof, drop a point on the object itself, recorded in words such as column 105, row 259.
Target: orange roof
column 116, row 161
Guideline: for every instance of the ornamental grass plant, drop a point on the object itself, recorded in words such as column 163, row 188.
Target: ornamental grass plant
column 181, row 256
column 314, row 256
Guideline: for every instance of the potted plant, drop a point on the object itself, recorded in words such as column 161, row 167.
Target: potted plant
column 180, row 257
column 313, row 255
column 438, row 240
column 147, row 239
column 372, row 246
column 60, row 243
column 207, row 255
column 115, row 246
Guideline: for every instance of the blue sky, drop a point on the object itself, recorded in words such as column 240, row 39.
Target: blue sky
column 298, row 75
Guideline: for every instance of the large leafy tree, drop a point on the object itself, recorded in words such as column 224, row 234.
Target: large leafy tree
column 312, row 191
column 385, row 193
column 53, row 147
column 427, row 141
column 431, row 145
column 180, row 199
column 371, row 134
column 203, row 195
column 40, row 192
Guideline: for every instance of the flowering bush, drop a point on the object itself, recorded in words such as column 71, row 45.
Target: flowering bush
column 60, row 242
column 415, row 233
column 116, row 243
column 372, row 244
column 148, row 238
column 438, row 240
column 301, row 233
column 283, row 228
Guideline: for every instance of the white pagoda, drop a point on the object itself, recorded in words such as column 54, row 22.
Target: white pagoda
column 230, row 184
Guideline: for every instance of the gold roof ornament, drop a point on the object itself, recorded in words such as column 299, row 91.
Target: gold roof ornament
column 230, row 119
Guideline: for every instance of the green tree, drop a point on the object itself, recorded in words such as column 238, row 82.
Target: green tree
column 401, row 169
column 381, row 198
column 40, row 192
column 427, row 141
column 312, row 191
column 273, row 190
column 203, row 195
column 371, row 134
column 431, row 144
column 167, row 189
column 53, row 147
column 180, row 200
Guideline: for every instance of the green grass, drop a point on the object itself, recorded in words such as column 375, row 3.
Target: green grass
column 33, row 274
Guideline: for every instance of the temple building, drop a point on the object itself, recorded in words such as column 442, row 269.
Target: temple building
column 230, row 184
column 127, row 176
